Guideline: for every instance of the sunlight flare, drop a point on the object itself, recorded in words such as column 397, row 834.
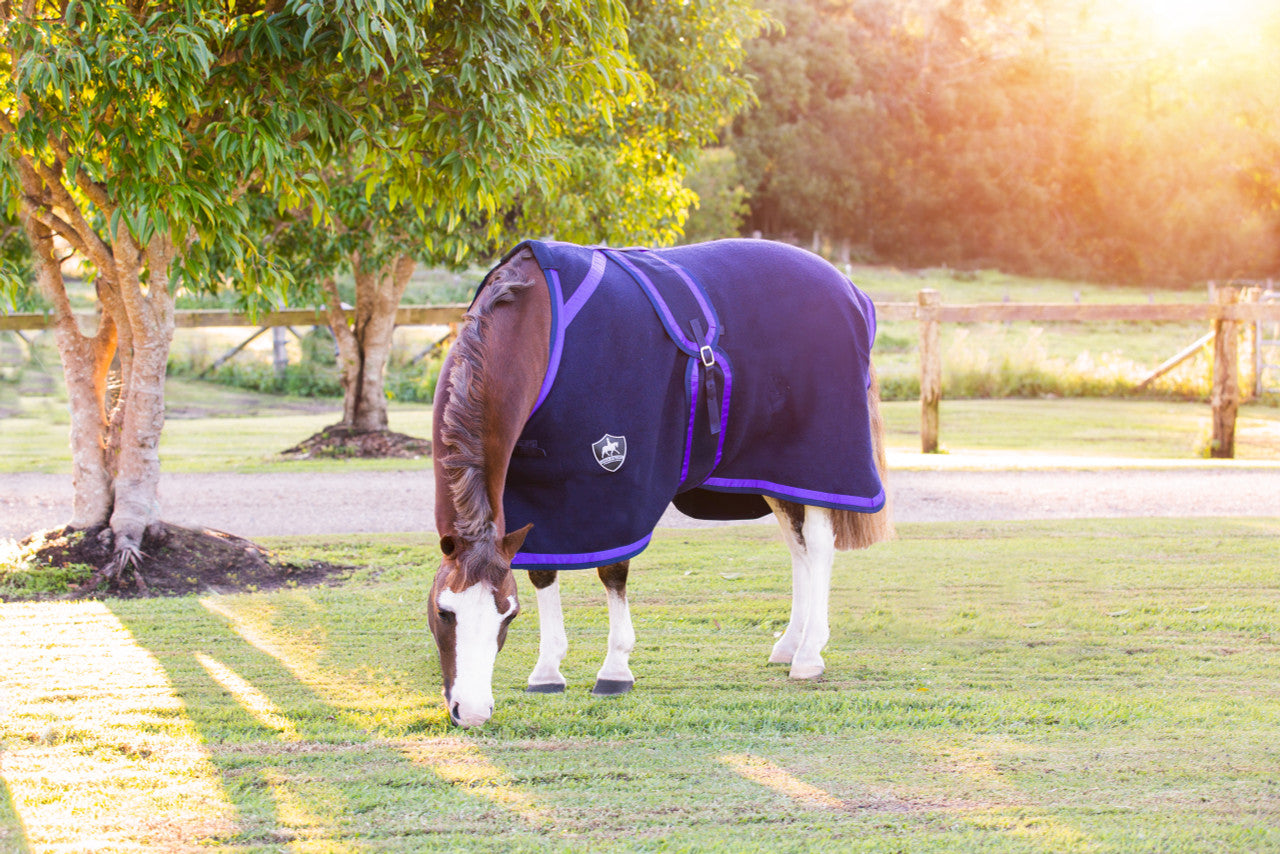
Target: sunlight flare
column 1180, row 19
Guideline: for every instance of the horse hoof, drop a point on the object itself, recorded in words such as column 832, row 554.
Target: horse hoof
column 545, row 688
column 611, row 687
column 812, row 671
column 781, row 658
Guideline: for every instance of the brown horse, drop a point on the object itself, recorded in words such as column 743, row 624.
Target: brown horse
column 490, row 384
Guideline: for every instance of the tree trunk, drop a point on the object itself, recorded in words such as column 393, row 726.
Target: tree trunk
column 364, row 341
column 86, row 362
column 115, row 453
column 149, row 315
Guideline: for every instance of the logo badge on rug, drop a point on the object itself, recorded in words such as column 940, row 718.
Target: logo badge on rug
column 610, row 451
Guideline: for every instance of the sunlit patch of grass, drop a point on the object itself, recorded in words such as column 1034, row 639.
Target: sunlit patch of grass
column 98, row 754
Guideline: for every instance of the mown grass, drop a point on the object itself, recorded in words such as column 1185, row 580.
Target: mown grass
column 224, row 430
column 1138, row 430
column 1019, row 687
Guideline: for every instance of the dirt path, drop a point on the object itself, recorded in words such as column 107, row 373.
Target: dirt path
column 259, row 505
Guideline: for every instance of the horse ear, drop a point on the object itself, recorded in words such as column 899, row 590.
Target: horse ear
column 512, row 542
column 448, row 545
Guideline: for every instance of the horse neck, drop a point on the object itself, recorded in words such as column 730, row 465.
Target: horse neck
column 512, row 365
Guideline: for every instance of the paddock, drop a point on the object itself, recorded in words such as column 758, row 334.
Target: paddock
column 1082, row 685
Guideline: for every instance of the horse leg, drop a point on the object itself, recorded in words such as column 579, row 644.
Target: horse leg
column 615, row 675
column 552, row 642
column 820, row 547
column 790, row 518
column 810, row 538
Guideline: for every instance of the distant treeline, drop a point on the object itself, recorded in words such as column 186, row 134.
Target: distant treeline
column 1046, row 137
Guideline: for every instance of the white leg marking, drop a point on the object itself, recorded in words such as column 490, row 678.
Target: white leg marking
column 820, row 547
column 553, row 644
column 475, row 651
column 784, row 650
column 622, row 640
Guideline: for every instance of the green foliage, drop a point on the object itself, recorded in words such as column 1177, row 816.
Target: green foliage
column 316, row 376
column 16, row 292
column 722, row 200
column 22, row 576
column 1033, row 137
column 622, row 169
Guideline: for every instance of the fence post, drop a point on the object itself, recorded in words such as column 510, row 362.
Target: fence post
column 279, row 351
column 929, row 303
column 1225, row 396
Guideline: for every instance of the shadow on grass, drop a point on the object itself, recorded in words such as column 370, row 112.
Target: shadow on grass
column 13, row 835
column 309, row 751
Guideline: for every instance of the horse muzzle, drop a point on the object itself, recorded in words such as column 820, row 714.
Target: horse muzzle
column 468, row 714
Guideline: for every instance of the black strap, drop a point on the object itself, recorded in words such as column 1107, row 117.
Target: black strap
column 707, row 357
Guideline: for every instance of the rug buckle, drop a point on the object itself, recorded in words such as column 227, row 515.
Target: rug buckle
column 708, row 356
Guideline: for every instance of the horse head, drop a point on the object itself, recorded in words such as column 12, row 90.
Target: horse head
column 473, row 601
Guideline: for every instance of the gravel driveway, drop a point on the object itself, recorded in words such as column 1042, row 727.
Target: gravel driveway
column 926, row 490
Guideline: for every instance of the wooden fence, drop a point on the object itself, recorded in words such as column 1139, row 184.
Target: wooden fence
column 1226, row 315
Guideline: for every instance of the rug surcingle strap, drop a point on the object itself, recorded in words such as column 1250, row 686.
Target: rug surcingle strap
column 708, row 357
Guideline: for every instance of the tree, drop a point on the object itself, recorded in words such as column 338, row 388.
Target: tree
column 604, row 163
column 133, row 132
column 144, row 136
column 1041, row 137
column 621, row 168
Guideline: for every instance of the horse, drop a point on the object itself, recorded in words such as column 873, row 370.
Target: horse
column 663, row 354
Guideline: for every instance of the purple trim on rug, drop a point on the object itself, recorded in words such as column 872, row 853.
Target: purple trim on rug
column 582, row 560
column 588, row 287
column 659, row 303
column 713, row 320
column 557, row 336
column 803, row 496
column 691, row 376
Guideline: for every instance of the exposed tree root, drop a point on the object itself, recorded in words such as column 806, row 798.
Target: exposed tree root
column 128, row 558
column 339, row 440
column 175, row 561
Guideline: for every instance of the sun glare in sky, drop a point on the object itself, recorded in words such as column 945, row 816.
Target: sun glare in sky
column 1181, row 19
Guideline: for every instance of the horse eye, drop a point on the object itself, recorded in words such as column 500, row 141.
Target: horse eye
column 448, row 617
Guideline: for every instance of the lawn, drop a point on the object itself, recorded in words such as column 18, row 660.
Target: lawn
column 1088, row 686
column 221, row 429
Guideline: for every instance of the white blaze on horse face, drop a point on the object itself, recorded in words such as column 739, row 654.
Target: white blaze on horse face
column 477, row 625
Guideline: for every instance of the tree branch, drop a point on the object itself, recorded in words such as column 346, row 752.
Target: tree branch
column 96, row 192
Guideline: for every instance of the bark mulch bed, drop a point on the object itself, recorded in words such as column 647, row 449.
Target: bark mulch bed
column 340, row 441
column 176, row 561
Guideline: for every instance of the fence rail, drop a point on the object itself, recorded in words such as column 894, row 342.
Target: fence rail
column 1225, row 314
column 407, row 315
column 438, row 315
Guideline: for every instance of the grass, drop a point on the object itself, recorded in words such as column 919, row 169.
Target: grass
column 213, row 440
column 1138, row 430
column 1088, row 686
column 209, row 437
column 211, row 428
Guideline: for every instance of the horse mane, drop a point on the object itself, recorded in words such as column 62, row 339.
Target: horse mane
column 462, row 427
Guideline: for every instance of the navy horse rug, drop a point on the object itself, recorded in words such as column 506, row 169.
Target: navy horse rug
column 707, row 375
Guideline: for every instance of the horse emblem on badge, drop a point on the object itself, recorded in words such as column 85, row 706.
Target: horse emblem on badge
column 610, row 451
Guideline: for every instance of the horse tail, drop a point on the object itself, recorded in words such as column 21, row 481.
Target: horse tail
column 859, row 530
